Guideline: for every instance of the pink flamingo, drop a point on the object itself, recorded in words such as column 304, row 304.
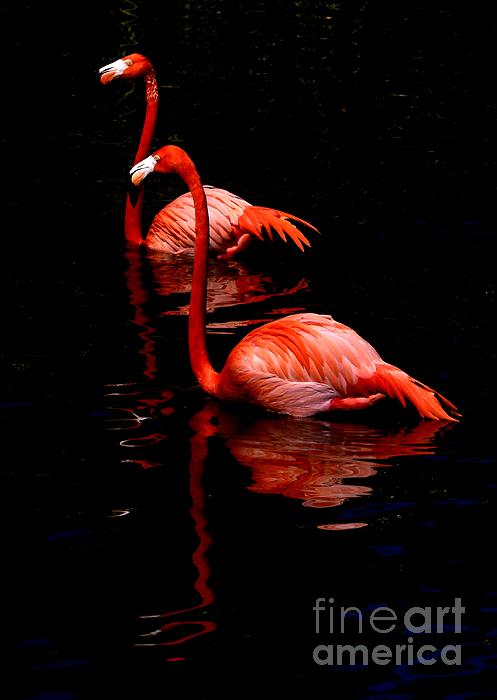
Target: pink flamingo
column 233, row 221
column 300, row 364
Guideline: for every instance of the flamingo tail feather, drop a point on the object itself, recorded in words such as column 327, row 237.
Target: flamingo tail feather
column 398, row 385
column 259, row 220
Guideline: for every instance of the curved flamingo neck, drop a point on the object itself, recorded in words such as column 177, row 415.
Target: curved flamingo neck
column 133, row 210
column 207, row 377
column 152, row 101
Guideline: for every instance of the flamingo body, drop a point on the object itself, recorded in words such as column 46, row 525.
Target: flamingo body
column 308, row 363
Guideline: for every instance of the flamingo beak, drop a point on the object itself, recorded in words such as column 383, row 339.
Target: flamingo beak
column 112, row 70
column 140, row 171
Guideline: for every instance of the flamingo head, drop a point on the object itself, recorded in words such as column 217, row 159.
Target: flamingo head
column 130, row 67
column 168, row 159
column 140, row 171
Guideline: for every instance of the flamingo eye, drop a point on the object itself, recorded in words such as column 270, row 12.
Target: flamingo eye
column 128, row 62
column 156, row 158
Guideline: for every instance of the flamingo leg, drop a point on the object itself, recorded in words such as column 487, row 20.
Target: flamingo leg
column 354, row 403
column 242, row 243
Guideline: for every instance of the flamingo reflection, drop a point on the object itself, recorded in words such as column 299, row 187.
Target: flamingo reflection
column 231, row 284
column 197, row 626
column 135, row 404
column 309, row 460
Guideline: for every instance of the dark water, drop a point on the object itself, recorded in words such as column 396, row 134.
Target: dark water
column 159, row 544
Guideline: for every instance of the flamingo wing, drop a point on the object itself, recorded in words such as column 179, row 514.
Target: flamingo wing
column 173, row 228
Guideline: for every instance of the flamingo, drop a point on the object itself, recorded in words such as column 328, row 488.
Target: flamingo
column 233, row 221
column 300, row 365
